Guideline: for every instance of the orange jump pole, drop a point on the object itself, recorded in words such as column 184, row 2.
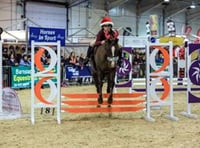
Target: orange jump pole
column 103, row 109
column 93, row 102
column 116, row 95
column 87, row 103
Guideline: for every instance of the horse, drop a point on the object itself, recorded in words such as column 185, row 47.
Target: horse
column 105, row 61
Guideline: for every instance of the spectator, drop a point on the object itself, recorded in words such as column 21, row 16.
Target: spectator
column 72, row 58
column 44, row 59
column 65, row 60
column 135, row 69
column 5, row 56
column 24, row 61
column 81, row 59
column 48, row 60
column 11, row 49
column 137, row 58
column 23, row 51
column 28, row 50
column 77, row 60
column 18, row 54
column 29, row 58
column 160, row 58
column 12, row 60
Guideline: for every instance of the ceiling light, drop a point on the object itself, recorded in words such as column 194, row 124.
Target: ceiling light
column 193, row 5
column 167, row 1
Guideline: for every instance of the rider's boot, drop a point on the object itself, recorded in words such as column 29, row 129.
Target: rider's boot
column 88, row 56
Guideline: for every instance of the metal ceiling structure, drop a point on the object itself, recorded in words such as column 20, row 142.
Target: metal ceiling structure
column 170, row 7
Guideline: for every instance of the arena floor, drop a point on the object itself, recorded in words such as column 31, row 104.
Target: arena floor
column 122, row 130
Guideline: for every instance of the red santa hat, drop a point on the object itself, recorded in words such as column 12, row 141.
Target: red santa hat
column 106, row 21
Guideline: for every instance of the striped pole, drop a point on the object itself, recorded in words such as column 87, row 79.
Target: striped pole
column 45, row 74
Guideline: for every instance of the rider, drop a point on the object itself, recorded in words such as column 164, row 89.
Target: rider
column 105, row 32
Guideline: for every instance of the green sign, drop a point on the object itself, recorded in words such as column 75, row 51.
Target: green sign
column 21, row 77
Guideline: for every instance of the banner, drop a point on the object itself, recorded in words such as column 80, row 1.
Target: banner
column 11, row 103
column 46, row 35
column 77, row 71
column 21, row 77
column 176, row 40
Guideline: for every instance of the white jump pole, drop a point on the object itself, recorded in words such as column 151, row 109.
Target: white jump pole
column 46, row 73
column 151, row 83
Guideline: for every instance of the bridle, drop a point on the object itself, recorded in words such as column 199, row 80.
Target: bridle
column 112, row 58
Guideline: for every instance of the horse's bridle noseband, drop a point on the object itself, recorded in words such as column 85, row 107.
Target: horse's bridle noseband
column 113, row 59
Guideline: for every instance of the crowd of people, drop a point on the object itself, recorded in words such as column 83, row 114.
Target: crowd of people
column 138, row 63
column 18, row 56
column 72, row 59
column 15, row 56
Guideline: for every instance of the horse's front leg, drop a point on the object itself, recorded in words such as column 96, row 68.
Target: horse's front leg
column 110, row 86
column 95, row 78
column 100, row 85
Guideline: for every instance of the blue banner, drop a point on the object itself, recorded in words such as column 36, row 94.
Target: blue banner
column 46, row 35
column 77, row 71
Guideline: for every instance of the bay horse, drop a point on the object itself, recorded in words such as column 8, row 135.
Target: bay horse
column 105, row 61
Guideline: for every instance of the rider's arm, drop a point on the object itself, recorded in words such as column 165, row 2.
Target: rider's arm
column 99, row 38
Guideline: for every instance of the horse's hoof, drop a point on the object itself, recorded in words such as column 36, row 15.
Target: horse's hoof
column 98, row 106
column 109, row 105
column 100, row 100
column 110, row 101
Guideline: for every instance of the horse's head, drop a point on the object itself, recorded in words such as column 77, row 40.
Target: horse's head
column 113, row 50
